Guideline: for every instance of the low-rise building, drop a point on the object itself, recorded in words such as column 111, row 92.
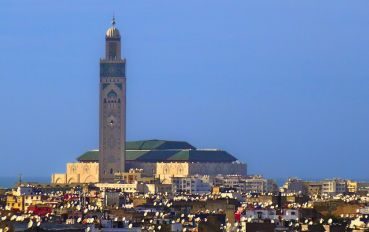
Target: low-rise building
column 352, row 186
column 261, row 214
column 235, row 182
column 294, row 185
column 15, row 202
column 363, row 187
column 258, row 184
column 191, row 184
column 314, row 187
column 126, row 188
column 22, row 202
column 334, row 186
column 290, row 214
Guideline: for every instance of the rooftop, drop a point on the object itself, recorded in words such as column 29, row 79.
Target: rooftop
column 112, row 32
column 164, row 151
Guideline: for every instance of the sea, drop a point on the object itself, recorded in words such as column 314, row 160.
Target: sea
column 8, row 182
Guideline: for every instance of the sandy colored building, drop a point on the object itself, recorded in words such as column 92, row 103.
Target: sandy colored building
column 78, row 172
column 22, row 198
column 352, row 186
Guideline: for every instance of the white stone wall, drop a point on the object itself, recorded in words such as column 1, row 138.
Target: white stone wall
column 165, row 171
column 89, row 172
column 59, row 178
column 82, row 172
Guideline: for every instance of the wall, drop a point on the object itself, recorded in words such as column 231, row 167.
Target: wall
column 214, row 169
column 78, row 173
column 89, row 172
column 165, row 171
column 59, row 178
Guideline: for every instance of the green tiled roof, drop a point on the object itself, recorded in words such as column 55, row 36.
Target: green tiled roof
column 164, row 151
column 157, row 145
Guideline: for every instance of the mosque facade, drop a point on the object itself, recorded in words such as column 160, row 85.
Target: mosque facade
column 163, row 159
column 158, row 158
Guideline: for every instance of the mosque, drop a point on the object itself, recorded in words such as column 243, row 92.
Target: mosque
column 157, row 158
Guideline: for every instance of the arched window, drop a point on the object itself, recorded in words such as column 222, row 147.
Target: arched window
column 112, row 94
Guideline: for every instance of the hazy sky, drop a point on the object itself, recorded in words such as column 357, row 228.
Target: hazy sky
column 282, row 85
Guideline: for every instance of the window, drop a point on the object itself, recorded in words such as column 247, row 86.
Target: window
column 112, row 50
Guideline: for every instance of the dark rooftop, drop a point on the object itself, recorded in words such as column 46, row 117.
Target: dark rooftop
column 164, row 151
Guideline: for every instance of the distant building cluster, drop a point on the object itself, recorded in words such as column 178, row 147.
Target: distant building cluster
column 328, row 186
column 193, row 203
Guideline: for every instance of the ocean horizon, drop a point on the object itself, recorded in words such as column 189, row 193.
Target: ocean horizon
column 10, row 181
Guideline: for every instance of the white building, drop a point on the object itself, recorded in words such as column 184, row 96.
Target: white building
column 258, row 184
column 126, row 188
column 290, row 214
column 271, row 214
column 23, row 190
column 294, row 185
column 334, row 186
column 261, row 214
column 230, row 181
column 190, row 184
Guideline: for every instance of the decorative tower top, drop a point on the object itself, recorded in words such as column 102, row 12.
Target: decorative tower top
column 113, row 45
column 113, row 32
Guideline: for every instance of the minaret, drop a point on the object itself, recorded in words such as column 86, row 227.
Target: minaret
column 112, row 108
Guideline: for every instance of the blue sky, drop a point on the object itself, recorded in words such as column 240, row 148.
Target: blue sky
column 282, row 85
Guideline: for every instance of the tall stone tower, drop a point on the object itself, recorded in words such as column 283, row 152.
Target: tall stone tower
column 112, row 108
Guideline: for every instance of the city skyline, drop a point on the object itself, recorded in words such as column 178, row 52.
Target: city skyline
column 285, row 114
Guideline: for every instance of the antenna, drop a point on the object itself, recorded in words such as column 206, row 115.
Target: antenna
column 113, row 21
column 20, row 179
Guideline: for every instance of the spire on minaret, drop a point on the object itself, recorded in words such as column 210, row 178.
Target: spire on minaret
column 113, row 46
column 113, row 21
column 112, row 32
